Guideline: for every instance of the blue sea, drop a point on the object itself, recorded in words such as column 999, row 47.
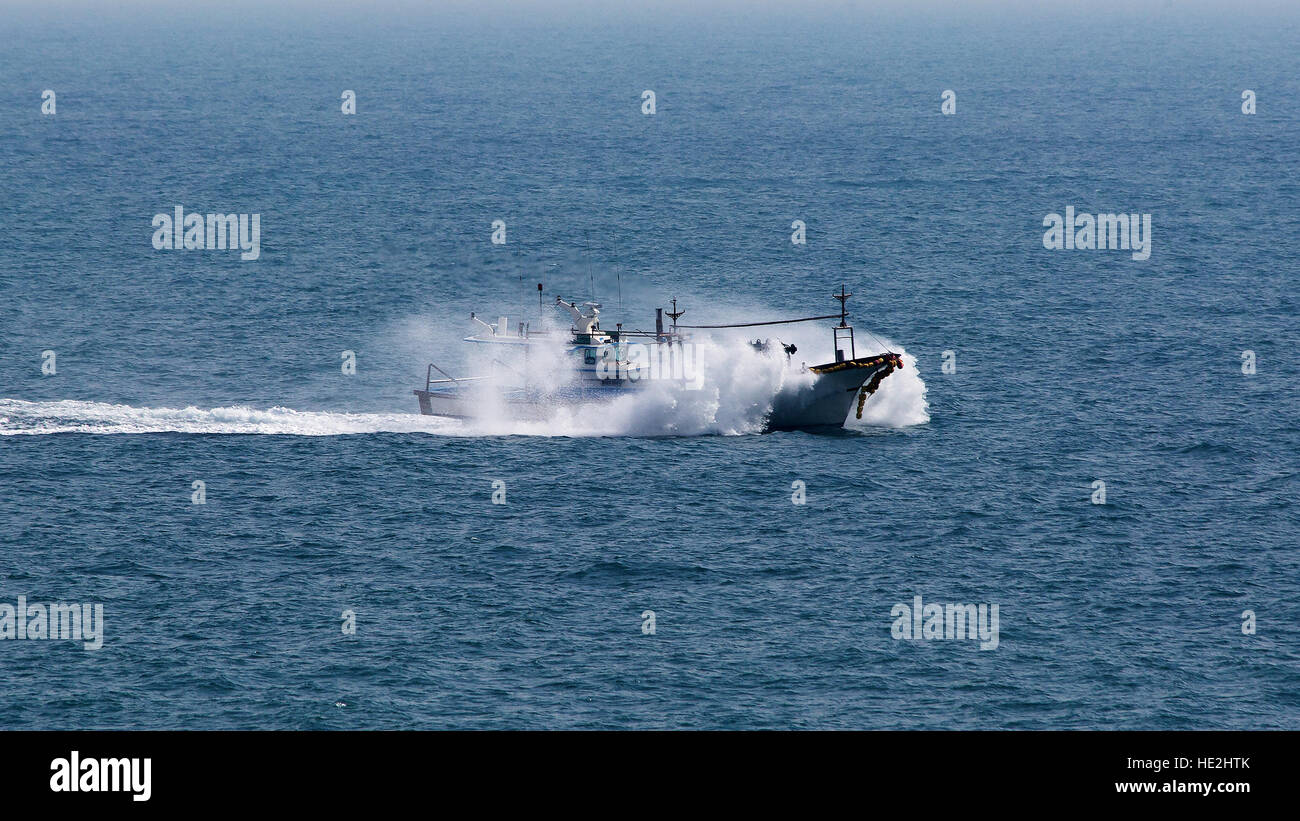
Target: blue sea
column 651, row 570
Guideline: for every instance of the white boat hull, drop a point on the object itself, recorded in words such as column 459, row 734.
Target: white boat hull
column 831, row 398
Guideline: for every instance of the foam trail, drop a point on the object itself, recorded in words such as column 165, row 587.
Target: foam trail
column 18, row 417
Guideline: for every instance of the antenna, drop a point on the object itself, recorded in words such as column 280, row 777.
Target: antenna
column 843, row 297
column 674, row 313
column 591, row 273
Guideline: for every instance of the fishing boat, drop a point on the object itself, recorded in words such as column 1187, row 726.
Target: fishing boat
column 600, row 365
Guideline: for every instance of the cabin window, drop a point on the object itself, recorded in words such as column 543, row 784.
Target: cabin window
column 589, row 356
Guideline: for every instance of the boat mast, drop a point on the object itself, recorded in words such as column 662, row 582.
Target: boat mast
column 844, row 329
column 673, row 314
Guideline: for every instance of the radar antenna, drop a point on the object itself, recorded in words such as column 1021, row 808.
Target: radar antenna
column 843, row 297
column 674, row 313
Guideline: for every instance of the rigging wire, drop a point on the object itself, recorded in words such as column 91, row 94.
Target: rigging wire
column 774, row 322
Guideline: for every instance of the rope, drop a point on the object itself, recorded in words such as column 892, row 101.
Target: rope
column 774, row 322
column 882, row 345
column 892, row 362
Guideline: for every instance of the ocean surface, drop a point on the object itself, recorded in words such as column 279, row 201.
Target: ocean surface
column 326, row 492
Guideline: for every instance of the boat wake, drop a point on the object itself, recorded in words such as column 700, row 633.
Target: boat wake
column 732, row 401
column 18, row 417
